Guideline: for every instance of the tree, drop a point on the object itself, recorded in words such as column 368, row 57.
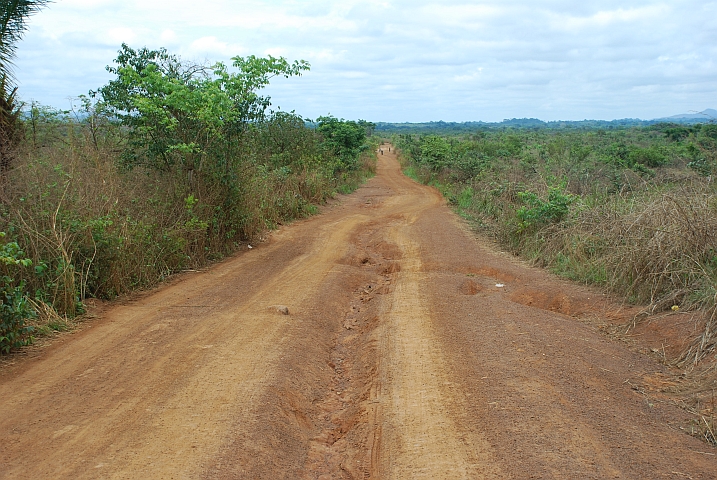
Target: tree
column 344, row 138
column 192, row 120
column 188, row 116
column 13, row 17
column 435, row 151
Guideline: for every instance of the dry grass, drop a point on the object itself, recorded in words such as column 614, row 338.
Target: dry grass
column 659, row 249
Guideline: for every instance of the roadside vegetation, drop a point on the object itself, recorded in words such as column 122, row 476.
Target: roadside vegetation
column 633, row 210
column 168, row 167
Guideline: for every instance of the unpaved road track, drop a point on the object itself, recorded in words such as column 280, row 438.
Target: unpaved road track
column 400, row 359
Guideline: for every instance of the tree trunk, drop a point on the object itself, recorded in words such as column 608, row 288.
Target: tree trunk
column 8, row 133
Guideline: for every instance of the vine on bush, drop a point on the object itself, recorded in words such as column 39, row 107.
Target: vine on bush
column 14, row 306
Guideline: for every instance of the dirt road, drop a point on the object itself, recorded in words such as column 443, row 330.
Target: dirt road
column 410, row 351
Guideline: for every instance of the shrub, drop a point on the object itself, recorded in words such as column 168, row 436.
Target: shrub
column 14, row 305
column 345, row 139
column 537, row 212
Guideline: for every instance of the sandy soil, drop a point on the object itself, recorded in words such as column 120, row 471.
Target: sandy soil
column 411, row 350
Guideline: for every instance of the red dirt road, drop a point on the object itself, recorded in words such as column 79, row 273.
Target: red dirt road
column 400, row 358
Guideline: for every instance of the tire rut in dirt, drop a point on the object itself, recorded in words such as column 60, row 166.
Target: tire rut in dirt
column 314, row 419
column 418, row 402
column 343, row 448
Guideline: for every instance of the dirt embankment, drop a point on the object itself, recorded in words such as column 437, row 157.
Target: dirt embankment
column 410, row 351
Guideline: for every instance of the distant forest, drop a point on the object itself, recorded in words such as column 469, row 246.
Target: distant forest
column 532, row 123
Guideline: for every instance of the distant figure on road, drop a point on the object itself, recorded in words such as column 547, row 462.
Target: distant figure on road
column 381, row 150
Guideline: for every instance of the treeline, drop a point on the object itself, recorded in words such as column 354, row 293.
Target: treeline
column 632, row 209
column 452, row 128
column 169, row 166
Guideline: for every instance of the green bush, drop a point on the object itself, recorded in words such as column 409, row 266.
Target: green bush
column 14, row 306
column 650, row 157
column 538, row 212
column 698, row 161
column 345, row 139
column 435, row 152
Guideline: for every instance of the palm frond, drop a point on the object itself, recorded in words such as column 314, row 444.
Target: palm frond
column 13, row 23
column 9, row 113
column 8, row 100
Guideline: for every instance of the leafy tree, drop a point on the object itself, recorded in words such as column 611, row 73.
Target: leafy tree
column 13, row 17
column 435, row 151
column 193, row 120
column 186, row 115
column 677, row 133
column 344, row 138
column 289, row 142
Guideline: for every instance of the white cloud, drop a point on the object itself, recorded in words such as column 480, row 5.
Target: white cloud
column 169, row 37
column 470, row 77
column 406, row 59
column 212, row 47
column 608, row 18
column 120, row 35
column 353, row 74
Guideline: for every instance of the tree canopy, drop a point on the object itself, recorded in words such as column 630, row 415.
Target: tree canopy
column 180, row 112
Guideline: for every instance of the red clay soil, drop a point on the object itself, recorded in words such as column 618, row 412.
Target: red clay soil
column 411, row 350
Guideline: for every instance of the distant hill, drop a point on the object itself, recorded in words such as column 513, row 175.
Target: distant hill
column 705, row 116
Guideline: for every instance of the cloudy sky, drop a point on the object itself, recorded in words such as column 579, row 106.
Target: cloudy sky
column 406, row 60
